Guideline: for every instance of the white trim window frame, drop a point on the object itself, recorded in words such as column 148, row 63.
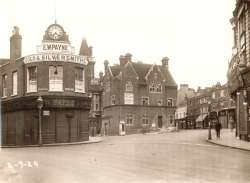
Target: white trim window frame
column 155, row 87
column 14, row 83
column 4, row 85
column 32, row 79
column 79, row 80
column 170, row 102
column 55, row 78
column 129, row 119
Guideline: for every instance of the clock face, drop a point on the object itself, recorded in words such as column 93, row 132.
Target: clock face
column 55, row 32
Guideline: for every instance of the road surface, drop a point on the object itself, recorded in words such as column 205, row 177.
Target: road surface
column 182, row 156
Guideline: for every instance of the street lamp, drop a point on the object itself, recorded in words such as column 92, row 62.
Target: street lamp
column 40, row 106
column 209, row 123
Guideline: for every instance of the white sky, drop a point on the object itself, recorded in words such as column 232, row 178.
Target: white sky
column 195, row 34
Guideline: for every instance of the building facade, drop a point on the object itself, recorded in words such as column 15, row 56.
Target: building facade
column 183, row 94
column 44, row 95
column 211, row 104
column 197, row 109
column 239, row 70
column 137, row 97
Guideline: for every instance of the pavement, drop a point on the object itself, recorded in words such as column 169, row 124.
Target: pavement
column 228, row 139
column 90, row 141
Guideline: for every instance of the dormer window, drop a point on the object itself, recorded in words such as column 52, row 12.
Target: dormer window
column 129, row 86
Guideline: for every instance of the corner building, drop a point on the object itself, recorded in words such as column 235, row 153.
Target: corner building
column 239, row 68
column 56, row 76
column 137, row 97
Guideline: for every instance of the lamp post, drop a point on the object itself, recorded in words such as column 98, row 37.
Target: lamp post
column 209, row 123
column 40, row 106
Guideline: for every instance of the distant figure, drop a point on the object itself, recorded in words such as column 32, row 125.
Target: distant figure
column 217, row 129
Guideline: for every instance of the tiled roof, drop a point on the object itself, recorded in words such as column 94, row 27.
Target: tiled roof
column 142, row 70
column 168, row 77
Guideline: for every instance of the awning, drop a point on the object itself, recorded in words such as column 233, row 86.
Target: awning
column 201, row 117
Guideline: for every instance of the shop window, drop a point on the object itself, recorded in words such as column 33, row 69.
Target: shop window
column 79, row 80
column 129, row 86
column 145, row 120
column 32, row 79
column 113, row 100
column 55, row 78
column 4, row 85
column 170, row 102
column 144, row 100
column 14, row 83
column 129, row 119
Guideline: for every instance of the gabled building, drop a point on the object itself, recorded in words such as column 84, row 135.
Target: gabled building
column 137, row 96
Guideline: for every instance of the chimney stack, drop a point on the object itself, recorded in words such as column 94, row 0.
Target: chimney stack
column 106, row 65
column 15, row 44
column 165, row 62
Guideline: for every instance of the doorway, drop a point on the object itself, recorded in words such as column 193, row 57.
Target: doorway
column 159, row 121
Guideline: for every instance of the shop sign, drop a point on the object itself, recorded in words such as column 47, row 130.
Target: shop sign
column 63, row 103
column 43, row 57
column 55, row 47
